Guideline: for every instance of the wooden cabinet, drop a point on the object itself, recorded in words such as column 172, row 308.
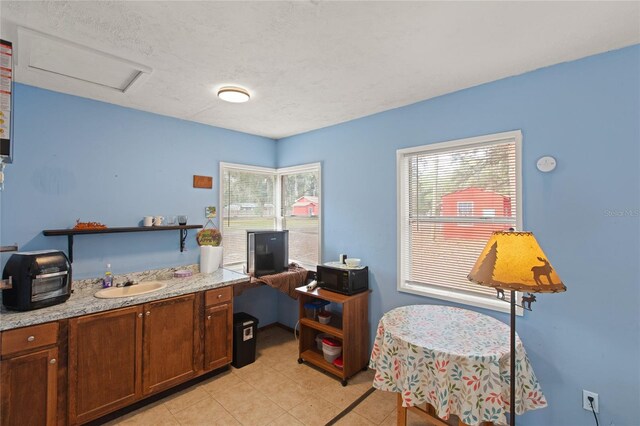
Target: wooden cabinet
column 29, row 388
column 29, row 338
column 352, row 328
column 96, row 364
column 170, row 334
column 218, row 328
column 105, row 353
column 119, row 356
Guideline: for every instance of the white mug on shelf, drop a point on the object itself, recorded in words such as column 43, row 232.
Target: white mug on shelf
column 157, row 221
column 147, row 221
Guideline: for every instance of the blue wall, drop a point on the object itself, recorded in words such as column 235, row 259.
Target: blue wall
column 586, row 114
column 80, row 158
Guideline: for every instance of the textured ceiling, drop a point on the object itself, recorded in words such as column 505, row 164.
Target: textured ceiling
column 314, row 64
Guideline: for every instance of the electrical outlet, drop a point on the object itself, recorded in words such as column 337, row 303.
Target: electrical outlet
column 585, row 401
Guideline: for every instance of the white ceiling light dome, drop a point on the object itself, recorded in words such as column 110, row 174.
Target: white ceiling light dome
column 234, row 94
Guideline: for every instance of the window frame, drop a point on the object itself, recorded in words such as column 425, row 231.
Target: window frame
column 280, row 219
column 402, row 251
column 278, row 173
column 223, row 166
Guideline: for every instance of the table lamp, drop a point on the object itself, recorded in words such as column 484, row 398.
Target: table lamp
column 514, row 261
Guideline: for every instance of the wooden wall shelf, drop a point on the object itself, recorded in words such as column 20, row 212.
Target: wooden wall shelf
column 69, row 233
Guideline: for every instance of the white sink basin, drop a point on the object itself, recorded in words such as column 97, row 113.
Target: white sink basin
column 132, row 290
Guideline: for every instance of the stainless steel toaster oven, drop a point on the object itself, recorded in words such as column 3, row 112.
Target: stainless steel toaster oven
column 39, row 279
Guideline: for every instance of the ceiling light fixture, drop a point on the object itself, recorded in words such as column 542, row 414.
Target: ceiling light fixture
column 234, row 94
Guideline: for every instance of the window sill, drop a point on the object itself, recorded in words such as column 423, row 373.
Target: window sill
column 241, row 267
column 462, row 298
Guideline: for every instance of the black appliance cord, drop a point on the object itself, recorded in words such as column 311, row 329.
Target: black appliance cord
column 593, row 409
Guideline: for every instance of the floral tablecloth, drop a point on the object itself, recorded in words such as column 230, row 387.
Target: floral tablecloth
column 454, row 359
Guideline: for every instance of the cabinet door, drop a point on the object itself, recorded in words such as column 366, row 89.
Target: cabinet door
column 29, row 389
column 105, row 352
column 218, row 326
column 170, row 331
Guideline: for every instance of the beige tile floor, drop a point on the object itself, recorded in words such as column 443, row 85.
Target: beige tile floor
column 274, row 390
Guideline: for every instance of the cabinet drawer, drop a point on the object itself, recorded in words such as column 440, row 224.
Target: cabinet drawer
column 22, row 339
column 218, row 295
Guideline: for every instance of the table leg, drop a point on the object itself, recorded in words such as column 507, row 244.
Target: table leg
column 401, row 412
column 428, row 413
column 430, row 410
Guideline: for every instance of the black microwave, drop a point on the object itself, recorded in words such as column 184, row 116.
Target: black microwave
column 342, row 279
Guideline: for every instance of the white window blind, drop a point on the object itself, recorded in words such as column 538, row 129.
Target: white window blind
column 255, row 198
column 248, row 202
column 452, row 196
column 300, row 211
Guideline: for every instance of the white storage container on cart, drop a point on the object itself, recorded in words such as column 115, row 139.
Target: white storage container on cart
column 331, row 349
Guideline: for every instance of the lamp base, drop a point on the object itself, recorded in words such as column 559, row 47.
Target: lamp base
column 512, row 377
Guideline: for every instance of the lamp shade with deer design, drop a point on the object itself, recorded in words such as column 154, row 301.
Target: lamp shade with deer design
column 515, row 261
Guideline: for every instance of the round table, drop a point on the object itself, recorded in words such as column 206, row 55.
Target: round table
column 453, row 359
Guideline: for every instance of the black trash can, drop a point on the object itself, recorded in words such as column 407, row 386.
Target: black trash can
column 245, row 328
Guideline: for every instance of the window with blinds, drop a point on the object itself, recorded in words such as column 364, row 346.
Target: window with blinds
column 300, row 212
column 452, row 196
column 248, row 202
column 258, row 198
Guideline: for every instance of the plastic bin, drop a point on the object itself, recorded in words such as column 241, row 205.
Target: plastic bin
column 245, row 328
column 338, row 363
column 331, row 348
column 312, row 309
column 324, row 317
column 319, row 338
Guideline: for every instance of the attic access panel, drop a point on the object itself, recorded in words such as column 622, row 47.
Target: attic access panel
column 73, row 64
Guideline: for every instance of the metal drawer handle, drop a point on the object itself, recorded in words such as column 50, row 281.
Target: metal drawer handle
column 140, row 315
column 31, row 338
column 53, row 361
column 148, row 313
column 219, row 296
column 51, row 275
column 209, row 317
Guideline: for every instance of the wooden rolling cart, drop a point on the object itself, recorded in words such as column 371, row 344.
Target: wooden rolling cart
column 352, row 328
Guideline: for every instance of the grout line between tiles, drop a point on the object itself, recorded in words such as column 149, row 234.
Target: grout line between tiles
column 276, row 348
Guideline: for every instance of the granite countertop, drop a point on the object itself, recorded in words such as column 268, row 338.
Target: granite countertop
column 83, row 301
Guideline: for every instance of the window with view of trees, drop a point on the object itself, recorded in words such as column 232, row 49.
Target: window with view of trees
column 453, row 195
column 262, row 198
column 248, row 202
column 300, row 212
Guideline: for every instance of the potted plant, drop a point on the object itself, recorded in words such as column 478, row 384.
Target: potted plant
column 209, row 240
